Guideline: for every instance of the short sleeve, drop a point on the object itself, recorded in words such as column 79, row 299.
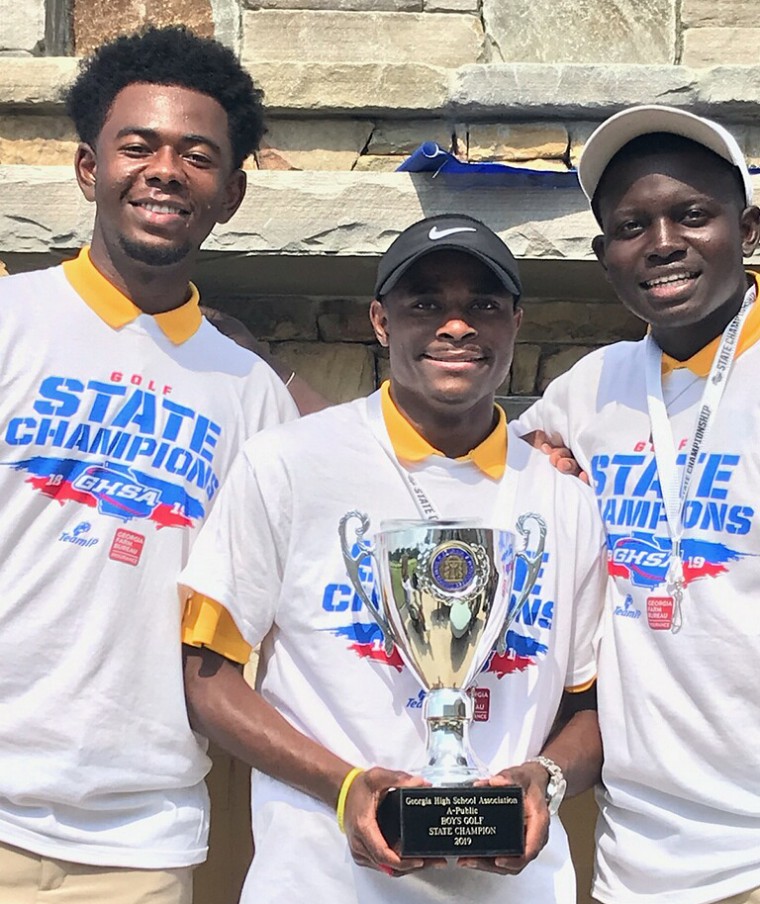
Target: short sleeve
column 589, row 597
column 207, row 623
column 236, row 560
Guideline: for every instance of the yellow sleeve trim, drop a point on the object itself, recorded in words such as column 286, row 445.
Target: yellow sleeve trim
column 207, row 623
column 579, row 688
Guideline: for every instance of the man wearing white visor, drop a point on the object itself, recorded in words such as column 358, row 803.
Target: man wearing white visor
column 667, row 429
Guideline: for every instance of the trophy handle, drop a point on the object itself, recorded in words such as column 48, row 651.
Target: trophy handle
column 352, row 569
column 534, row 566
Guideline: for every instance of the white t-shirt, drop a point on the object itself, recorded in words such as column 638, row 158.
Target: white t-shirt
column 112, row 447
column 680, row 713
column 271, row 555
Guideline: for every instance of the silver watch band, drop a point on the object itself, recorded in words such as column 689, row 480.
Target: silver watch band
column 555, row 789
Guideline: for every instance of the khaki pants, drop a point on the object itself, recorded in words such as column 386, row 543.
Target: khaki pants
column 746, row 897
column 27, row 878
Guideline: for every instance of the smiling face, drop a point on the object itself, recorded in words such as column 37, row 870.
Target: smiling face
column 450, row 327
column 161, row 175
column 675, row 232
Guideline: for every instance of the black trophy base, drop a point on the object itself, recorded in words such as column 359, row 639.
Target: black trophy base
column 454, row 821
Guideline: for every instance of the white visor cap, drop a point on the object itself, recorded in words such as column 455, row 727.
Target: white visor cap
column 618, row 130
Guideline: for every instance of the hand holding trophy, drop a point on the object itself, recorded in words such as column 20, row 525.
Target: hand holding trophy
column 445, row 602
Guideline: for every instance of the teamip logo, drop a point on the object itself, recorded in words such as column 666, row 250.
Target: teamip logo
column 79, row 536
column 642, row 561
column 117, row 493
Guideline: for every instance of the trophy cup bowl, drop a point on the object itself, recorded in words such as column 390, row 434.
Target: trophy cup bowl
column 445, row 602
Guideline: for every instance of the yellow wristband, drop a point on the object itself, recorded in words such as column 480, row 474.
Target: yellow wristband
column 340, row 809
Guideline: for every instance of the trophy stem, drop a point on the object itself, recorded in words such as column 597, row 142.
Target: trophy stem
column 450, row 759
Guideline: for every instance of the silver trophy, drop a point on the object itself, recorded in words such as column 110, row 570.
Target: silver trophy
column 445, row 601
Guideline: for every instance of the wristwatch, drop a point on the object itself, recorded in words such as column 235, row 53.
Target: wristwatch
column 555, row 790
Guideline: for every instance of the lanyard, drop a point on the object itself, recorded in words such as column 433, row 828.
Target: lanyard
column 505, row 496
column 675, row 488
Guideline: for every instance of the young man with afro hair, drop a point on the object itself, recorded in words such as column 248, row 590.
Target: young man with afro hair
column 121, row 411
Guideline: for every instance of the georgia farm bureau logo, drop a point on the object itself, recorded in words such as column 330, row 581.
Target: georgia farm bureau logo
column 115, row 490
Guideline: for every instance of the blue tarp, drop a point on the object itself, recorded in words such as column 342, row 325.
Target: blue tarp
column 430, row 157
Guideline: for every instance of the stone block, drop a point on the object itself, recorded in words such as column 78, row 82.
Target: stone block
column 574, row 322
column 96, row 21
column 37, row 140
column 350, row 37
column 452, row 6
column 369, row 163
column 555, row 363
column 38, row 82
column 23, row 24
column 711, row 46
column 749, row 141
column 345, row 320
column 580, row 132
column 400, row 137
column 550, row 166
column 524, row 373
column 362, row 88
column 276, row 319
column 360, row 6
column 571, row 91
column 339, row 371
column 324, row 144
column 581, row 31
column 718, row 13
column 516, row 141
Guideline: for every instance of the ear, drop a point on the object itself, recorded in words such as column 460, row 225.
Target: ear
column 234, row 193
column 85, row 168
column 379, row 320
column 750, row 228
column 517, row 318
column 597, row 246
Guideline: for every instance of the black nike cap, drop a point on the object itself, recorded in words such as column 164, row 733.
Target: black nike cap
column 456, row 232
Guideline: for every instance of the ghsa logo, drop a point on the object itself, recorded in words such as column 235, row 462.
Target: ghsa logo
column 117, row 493
column 113, row 489
column 643, row 562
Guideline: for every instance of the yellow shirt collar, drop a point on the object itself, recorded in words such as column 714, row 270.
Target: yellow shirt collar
column 700, row 363
column 490, row 456
column 117, row 310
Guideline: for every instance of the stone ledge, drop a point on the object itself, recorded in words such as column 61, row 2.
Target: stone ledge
column 315, row 213
column 505, row 91
column 318, row 214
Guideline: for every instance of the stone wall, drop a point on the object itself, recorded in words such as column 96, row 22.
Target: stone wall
column 435, row 32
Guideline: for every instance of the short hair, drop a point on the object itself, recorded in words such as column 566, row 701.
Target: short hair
column 168, row 56
column 658, row 143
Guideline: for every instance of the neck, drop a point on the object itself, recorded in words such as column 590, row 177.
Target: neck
column 153, row 289
column 682, row 342
column 455, row 432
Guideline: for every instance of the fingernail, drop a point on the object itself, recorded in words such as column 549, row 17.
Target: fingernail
column 386, row 869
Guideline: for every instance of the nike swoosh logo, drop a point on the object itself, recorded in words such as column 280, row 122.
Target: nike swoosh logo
column 436, row 233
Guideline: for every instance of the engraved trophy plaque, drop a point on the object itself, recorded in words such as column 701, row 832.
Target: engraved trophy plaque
column 445, row 602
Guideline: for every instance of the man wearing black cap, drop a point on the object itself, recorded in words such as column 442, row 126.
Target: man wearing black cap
column 338, row 714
